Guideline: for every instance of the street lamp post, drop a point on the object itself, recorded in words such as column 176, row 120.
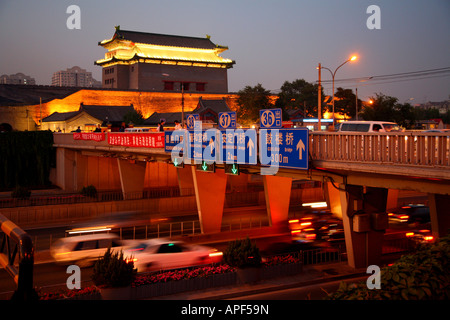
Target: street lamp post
column 319, row 102
column 333, row 74
column 182, row 105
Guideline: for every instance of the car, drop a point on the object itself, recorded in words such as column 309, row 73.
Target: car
column 410, row 214
column 317, row 227
column 301, row 228
column 420, row 236
column 369, row 126
column 84, row 250
column 332, row 232
column 161, row 253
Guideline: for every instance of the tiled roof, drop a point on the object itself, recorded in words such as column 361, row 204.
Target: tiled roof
column 164, row 39
column 57, row 116
column 215, row 105
column 113, row 113
column 170, row 118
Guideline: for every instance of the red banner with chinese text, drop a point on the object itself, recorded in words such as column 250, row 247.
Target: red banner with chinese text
column 137, row 140
column 96, row 136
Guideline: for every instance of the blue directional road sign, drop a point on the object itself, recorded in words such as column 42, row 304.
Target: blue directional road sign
column 173, row 140
column 238, row 146
column 227, row 120
column 203, row 145
column 270, row 118
column 286, row 148
column 190, row 121
column 196, row 145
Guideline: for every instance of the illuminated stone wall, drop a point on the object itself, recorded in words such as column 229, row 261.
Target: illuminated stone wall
column 146, row 102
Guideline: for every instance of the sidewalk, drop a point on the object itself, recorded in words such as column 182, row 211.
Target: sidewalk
column 311, row 275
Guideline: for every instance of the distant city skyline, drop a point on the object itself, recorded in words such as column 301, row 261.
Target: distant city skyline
column 74, row 77
column 271, row 41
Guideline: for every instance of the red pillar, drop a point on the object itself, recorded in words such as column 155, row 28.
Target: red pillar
column 278, row 193
column 132, row 176
column 210, row 195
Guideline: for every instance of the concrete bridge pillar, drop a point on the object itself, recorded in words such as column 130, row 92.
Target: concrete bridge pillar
column 332, row 196
column 185, row 180
column 132, row 176
column 440, row 214
column 392, row 199
column 365, row 221
column 277, row 191
column 71, row 169
column 210, row 195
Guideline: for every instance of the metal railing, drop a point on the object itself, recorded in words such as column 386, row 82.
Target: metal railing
column 405, row 148
column 235, row 198
column 101, row 196
column 321, row 255
column 160, row 230
column 16, row 243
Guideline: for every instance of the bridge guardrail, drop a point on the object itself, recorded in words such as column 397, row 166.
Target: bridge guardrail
column 404, row 148
column 23, row 247
column 407, row 148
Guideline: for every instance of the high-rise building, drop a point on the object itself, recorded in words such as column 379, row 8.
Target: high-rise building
column 74, row 77
column 18, row 78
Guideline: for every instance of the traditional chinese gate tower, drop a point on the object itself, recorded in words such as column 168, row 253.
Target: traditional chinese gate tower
column 158, row 62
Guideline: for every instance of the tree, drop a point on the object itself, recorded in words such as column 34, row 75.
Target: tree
column 345, row 102
column 386, row 108
column 250, row 101
column 382, row 108
column 405, row 116
column 134, row 116
column 299, row 94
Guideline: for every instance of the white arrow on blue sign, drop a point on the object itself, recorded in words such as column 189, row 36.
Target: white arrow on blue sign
column 286, row 148
column 238, row 146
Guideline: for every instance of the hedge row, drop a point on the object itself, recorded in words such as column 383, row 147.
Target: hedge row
column 423, row 275
column 26, row 158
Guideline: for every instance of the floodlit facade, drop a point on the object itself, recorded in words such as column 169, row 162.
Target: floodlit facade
column 164, row 63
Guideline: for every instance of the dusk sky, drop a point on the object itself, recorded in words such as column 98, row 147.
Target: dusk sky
column 272, row 41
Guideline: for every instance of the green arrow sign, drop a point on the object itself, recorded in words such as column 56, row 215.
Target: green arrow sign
column 206, row 167
column 232, row 169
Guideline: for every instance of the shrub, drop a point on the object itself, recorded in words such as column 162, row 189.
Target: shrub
column 424, row 275
column 242, row 254
column 112, row 270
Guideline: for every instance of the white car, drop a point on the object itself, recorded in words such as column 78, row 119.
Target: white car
column 158, row 254
column 84, row 250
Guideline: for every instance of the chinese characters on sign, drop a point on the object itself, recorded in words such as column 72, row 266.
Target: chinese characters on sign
column 287, row 148
column 137, row 140
column 96, row 136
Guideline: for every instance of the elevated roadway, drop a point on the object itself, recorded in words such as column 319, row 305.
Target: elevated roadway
column 361, row 174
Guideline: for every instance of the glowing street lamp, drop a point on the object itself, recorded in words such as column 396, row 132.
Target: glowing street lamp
column 333, row 74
